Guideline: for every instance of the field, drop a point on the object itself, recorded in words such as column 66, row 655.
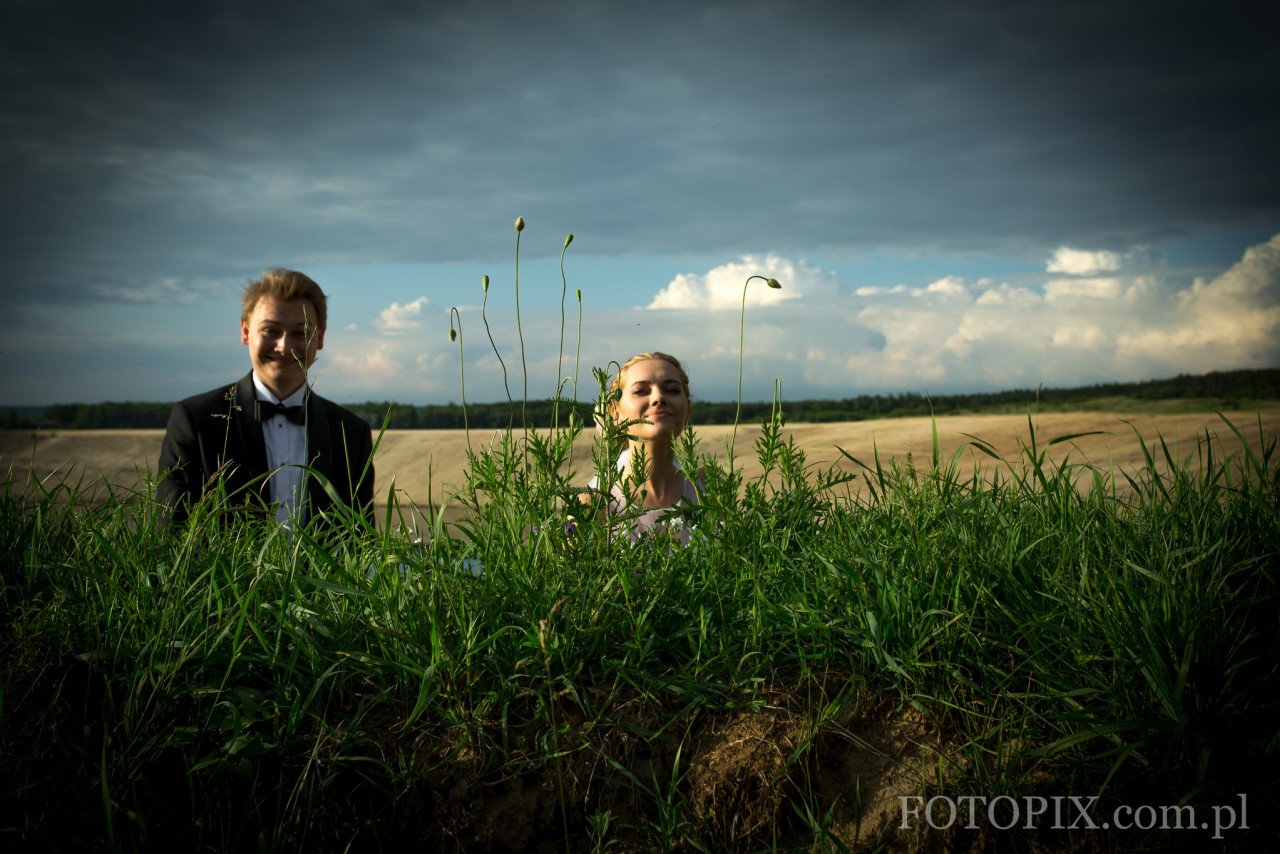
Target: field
column 422, row 463
column 896, row 655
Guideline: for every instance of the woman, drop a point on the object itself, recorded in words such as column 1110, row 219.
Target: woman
column 653, row 390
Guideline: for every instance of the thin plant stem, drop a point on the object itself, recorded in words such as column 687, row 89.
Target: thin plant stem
column 577, row 353
column 524, row 370
column 742, row 316
column 577, row 358
column 564, row 289
column 483, row 316
column 462, row 370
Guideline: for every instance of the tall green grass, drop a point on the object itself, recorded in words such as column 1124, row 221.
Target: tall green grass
column 530, row 678
column 227, row 685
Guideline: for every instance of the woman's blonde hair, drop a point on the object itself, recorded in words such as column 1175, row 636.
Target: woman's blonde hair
column 616, row 383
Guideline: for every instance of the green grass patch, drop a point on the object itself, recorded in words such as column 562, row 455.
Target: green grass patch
column 226, row 686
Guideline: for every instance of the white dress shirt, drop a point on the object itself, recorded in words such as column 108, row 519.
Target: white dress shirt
column 286, row 452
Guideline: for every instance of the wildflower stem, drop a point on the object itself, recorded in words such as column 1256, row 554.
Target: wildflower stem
column 483, row 316
column 742, row 316
column 564, row 289
column 462, row 370
column 577, row 354
column 524, row 370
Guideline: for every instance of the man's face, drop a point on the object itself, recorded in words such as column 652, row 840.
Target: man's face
column 282, row 338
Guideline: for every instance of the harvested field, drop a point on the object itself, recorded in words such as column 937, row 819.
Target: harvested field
column 424, row 463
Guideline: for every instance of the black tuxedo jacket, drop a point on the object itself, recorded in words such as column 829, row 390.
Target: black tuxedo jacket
column 215, row 433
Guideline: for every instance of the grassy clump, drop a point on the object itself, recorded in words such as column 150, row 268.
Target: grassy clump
column 226, row 686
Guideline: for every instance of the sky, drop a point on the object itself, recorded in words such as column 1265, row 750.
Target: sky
column 954, row 197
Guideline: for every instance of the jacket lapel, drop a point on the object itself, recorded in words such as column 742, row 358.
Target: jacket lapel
column 254, row 456
column 320, row 451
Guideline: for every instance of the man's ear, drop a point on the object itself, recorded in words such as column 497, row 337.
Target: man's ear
column 244, row 332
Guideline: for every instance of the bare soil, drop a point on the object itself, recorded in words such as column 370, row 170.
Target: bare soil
column 729, row 773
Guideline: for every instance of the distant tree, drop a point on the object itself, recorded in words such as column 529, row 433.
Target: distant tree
column 1228, row 388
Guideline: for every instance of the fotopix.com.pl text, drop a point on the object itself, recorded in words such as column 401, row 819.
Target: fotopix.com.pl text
column 1067, row 812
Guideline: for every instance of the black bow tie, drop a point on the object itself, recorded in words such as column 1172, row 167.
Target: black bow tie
column 265, row 409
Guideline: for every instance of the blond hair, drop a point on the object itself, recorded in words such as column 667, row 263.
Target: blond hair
column 284, row 285
column 616, row 383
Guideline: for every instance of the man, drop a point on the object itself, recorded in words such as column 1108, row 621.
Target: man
column 254, row 436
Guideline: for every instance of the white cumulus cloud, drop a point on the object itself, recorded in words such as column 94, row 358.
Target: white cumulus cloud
column 1073, row 329
column 1082, row 262
column 945, row 334
column 722, row 287
column 949, row 288
column 1006, row 294
column 1231, row 321
column 397, row 318
column 374, row 364
column 1083, row 289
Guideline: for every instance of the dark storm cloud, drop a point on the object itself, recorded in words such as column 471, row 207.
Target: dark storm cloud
column 147, row 144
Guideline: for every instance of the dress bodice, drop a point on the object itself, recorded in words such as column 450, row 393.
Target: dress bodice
column 654, row 519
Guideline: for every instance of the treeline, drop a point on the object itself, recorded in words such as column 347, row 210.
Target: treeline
column 111, row 414
column 1226, row 387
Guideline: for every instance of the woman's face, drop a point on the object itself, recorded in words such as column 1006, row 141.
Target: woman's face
column 652, row 391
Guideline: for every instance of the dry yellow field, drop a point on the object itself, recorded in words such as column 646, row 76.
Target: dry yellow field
column 422, row 463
